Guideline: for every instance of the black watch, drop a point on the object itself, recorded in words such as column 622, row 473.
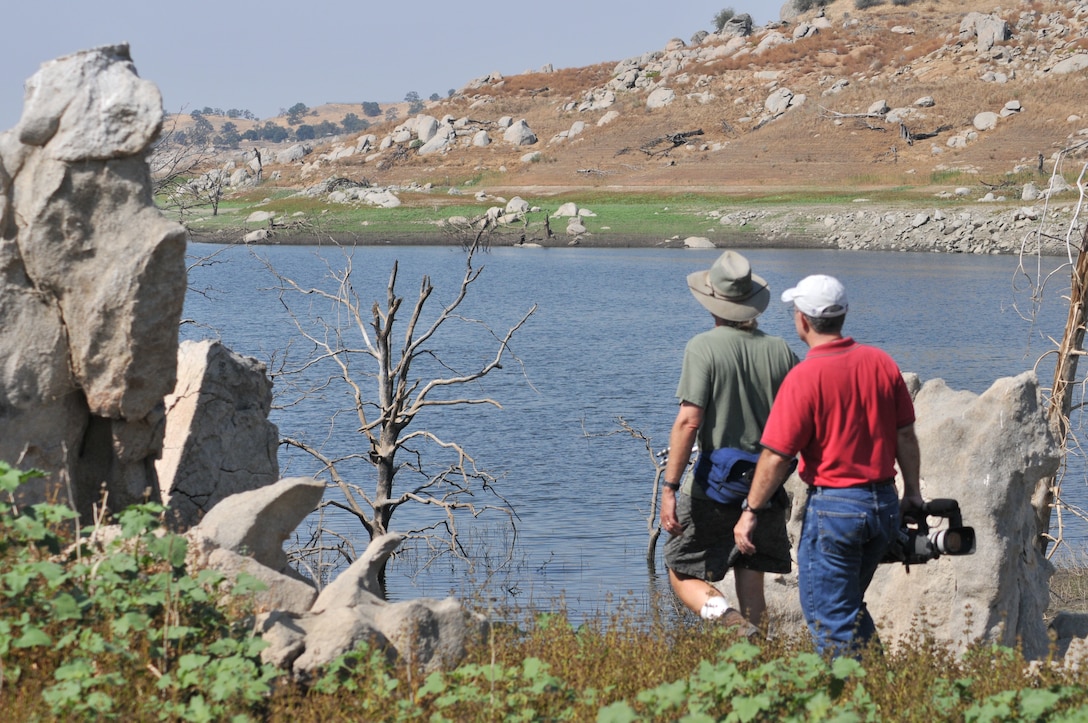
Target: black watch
column 745, row 507
column 674, row 486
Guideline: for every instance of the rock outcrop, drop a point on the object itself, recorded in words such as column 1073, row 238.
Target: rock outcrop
column 986, row 451
column 218, row 438
column 93, row 283
column 306, row 630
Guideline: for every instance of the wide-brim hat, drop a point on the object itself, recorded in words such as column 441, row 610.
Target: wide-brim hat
column 729, row 289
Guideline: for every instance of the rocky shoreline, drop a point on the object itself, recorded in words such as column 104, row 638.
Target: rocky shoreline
column 971, row 228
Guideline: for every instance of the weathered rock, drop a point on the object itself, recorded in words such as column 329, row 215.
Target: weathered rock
column 218, row 440
column 425, row 633
column 779, row 101
column 330, row 635
column 739, row 26
column 359, row 585
column 660, row 97
column 256, row 523
column 100, row 274
column 432, row 634
column 985, row 121
column 519, row 134
column 987, row 452
column 567, row 209
column 1072, row 64
column 282, row 592
column 90, row 106
column 698, row 242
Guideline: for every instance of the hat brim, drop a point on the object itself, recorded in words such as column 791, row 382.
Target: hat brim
column 731, row 310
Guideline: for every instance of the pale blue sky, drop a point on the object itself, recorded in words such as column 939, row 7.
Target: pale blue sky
column 269, row 55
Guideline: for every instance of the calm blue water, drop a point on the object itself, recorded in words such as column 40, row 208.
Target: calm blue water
column 605, row 343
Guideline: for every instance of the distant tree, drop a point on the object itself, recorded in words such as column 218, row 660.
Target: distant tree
column 228, row 135
column 435, row 96
column 806, row 5
column 194, row 114
column 864, row 4
column 391, row 113
column 326, row 128
column 352, row 123
column 208, row 110
column 233, row 113
column 450, row 92
column 415, row 105
column 722, row 17
column 273, row 132
column 201, row 131
column 305, row 132
column 251, row 135
column 371, row 109
column 295, row 113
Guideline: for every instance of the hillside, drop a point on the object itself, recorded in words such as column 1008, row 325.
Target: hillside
column 881, row 99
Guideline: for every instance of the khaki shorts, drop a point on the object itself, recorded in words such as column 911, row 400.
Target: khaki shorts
column 703, row 548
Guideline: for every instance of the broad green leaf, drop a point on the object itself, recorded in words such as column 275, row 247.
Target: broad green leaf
column 33, row 637
column 618, row 712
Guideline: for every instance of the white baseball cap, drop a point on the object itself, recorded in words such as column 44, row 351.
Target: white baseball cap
column 818, row 296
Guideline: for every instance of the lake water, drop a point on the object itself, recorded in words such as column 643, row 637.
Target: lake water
column 605, row 343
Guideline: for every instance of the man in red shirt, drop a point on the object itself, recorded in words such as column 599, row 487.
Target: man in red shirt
column 847, row 412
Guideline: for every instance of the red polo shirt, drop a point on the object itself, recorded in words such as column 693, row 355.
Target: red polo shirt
column 841, row 410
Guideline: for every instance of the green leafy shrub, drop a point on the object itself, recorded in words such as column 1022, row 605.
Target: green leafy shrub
column 722, row 17
column 121, row 630
column 108, row 631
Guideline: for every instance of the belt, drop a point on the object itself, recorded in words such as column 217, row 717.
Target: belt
column 864, row 485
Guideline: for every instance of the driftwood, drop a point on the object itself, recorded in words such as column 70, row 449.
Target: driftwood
column 910, row 137
column 836, row 115
column 673, row 139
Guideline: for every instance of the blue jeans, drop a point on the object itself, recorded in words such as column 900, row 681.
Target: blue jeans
column 844, row 537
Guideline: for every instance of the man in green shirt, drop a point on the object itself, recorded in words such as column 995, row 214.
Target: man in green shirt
column 729, row 378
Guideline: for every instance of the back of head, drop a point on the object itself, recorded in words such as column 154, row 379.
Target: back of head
column 818, row 297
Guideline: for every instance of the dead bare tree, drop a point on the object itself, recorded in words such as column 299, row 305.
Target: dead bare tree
column 1046, row 500
column 354, row 347
column 184, row 175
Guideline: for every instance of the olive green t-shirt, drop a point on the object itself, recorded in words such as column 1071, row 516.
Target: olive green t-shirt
column 734, row 376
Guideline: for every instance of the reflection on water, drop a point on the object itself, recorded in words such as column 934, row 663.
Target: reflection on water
column 605, row 343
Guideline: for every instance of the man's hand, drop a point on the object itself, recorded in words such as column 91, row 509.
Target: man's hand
column 669, row 523
column 911, row 503
column 742, row 533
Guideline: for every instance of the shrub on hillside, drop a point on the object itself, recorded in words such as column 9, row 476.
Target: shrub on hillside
column 802, row 6
column 722, row 17
column 864, row 4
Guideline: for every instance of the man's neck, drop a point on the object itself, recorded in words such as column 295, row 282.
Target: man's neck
column 814, row 340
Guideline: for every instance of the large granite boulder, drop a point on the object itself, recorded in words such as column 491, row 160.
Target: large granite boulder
column 986, row 451
column 93, row 281
column 218, row 438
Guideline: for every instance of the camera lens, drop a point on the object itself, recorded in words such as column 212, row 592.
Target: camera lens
column 953, row 541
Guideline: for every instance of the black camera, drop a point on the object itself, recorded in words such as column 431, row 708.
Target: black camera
column 917, row 544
